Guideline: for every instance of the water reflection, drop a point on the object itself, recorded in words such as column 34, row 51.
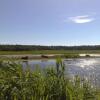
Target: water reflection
column 87, row 67
column 40, row 63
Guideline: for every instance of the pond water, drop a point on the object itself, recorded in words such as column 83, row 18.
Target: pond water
column 84, row 67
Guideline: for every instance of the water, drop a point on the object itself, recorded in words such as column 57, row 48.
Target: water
column 84, row 67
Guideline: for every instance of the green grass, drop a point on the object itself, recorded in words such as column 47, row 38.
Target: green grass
column 72, row 55
column 48, row 52
column 47, row 84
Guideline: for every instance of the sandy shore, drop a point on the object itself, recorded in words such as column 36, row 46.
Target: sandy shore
column 91, row 55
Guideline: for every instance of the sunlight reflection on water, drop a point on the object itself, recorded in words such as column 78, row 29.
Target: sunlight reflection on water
column 84, row 67
column 84, row 63
column 87, row 67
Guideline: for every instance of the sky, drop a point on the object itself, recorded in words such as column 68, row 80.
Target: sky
column 50, row 22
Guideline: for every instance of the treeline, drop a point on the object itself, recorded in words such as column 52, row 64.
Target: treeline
column 39, row 47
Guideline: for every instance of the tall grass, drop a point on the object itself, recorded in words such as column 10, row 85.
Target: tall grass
column 48, row 84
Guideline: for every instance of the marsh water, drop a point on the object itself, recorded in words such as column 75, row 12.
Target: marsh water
column 84, row 67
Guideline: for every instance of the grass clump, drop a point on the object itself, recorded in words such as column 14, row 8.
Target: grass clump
column 48, row 84
column 69, row 55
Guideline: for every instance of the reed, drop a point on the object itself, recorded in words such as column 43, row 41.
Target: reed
column 17, row 83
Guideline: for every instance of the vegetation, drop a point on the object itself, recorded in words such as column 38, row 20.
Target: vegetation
column 17, row 83
column 36, row 49
column 72, row 55
column 39, row 47
column 35, row 52
column 87, row 55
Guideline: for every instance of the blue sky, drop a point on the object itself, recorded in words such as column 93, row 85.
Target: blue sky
column 50, row 22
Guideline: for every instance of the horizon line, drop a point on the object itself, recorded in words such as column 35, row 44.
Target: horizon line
column 50, row 45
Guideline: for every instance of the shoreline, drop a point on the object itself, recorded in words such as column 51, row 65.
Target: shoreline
column 30, row 56
column 45, row 56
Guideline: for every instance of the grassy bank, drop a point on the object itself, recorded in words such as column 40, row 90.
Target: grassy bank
column 47, row 84
column 48, row 52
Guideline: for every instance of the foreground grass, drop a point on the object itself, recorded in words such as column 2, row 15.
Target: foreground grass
column 47, row 84
column 48, row 52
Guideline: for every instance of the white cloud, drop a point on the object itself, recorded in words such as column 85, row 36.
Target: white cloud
column 81, row 19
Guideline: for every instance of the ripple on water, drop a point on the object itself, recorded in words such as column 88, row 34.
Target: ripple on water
column 88, row 63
